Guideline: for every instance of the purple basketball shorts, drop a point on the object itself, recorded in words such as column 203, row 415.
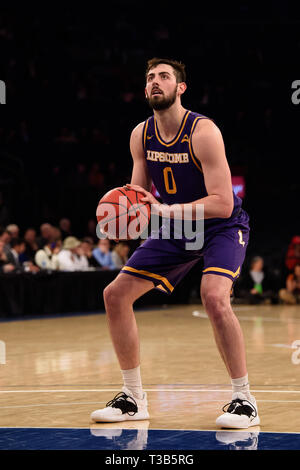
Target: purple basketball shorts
column 166, row 262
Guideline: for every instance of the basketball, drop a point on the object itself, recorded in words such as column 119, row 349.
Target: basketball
column 122, row 215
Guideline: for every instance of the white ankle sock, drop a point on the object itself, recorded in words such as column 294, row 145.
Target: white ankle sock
column 132, row 381
column 241, row 384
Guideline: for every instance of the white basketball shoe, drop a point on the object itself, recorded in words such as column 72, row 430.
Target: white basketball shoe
column 240, row 414
column 123, row 407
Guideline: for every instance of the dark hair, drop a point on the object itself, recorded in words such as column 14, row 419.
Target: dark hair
column 87, row 240
column 16, row 241
column 2, row 231
column 255, row 259
column 179, row 67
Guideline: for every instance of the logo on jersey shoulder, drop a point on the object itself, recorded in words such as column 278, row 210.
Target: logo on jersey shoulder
column 149, row 137
column 185, row 138
column 167, row 157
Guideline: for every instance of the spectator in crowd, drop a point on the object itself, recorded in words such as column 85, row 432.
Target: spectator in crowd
column 91, row 229
column 86, row 246
column 120, row 254
column 57, row 236
column 13, row 230
column 46, row 235
column 291, row 294
column 5, row 236
column 102, row 253
column 254, row 284
column 65, row 228
column 47, row 257
column 17, row 247
column 293, row 253
column 70, row 258
column 31, row 246
column 5, row 266
column 82, row 262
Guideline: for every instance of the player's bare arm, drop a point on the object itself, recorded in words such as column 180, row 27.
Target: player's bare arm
column 140, row 175
column 209, row 149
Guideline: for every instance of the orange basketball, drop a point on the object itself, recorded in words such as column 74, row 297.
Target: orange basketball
column 122, row 215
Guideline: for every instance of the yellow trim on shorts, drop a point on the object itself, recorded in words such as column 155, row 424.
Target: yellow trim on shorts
column 147, row 273
column 225, row 271
column 162, row 288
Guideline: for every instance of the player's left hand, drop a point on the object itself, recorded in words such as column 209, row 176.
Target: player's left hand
column 148, row 197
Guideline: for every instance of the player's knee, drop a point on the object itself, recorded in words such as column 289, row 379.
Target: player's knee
column 215, row 303
column 111, row 296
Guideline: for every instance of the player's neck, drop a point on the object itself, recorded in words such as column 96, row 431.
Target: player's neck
column 169, row 121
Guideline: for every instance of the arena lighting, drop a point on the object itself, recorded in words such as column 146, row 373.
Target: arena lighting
column 238, row 185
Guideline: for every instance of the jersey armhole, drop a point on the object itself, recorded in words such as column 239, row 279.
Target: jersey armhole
column 194, row 158
column 144, row 134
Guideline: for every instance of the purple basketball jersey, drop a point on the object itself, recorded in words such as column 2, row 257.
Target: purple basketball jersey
column 178, row 177
column 173, row 166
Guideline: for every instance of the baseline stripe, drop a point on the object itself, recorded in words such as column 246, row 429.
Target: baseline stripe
column 146, row 390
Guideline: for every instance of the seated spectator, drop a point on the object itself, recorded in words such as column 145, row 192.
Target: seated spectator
column 293, row 253
column 13, row 230
column 120, row 254
column 47, row 257
column 82, row 263
column 253, row 286
column 91, row 229
column 57, row 236
column 17, row 247
column 103, row 254
column 86, row 246
column 5, row 266
column 31, row 246
column 46, row 235
column 291, row 294
column 5, row 237
column 65, row 228
column 70, row 258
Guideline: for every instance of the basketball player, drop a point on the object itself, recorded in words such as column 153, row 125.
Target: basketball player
column 199, row 176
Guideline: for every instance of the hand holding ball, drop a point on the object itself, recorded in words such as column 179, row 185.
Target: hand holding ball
column 122, row 215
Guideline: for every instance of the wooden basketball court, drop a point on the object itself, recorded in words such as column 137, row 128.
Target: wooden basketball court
column 58, row 370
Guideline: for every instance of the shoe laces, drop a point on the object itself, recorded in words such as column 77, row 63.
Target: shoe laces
column 125, row 403
column 240, row 407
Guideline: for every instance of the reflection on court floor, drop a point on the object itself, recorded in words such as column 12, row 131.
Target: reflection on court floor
column 58, row 370
column 143, row 439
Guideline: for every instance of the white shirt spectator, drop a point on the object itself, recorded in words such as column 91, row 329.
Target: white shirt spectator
column 82, row 263
column 45, row 259
column 69, row 259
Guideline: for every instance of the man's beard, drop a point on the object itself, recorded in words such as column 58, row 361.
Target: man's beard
column 162, row 103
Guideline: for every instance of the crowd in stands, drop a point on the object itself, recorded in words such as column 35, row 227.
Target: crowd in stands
column 57, row 249
column 258, row 285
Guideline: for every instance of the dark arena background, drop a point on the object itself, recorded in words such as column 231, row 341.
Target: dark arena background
column 72, row 90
